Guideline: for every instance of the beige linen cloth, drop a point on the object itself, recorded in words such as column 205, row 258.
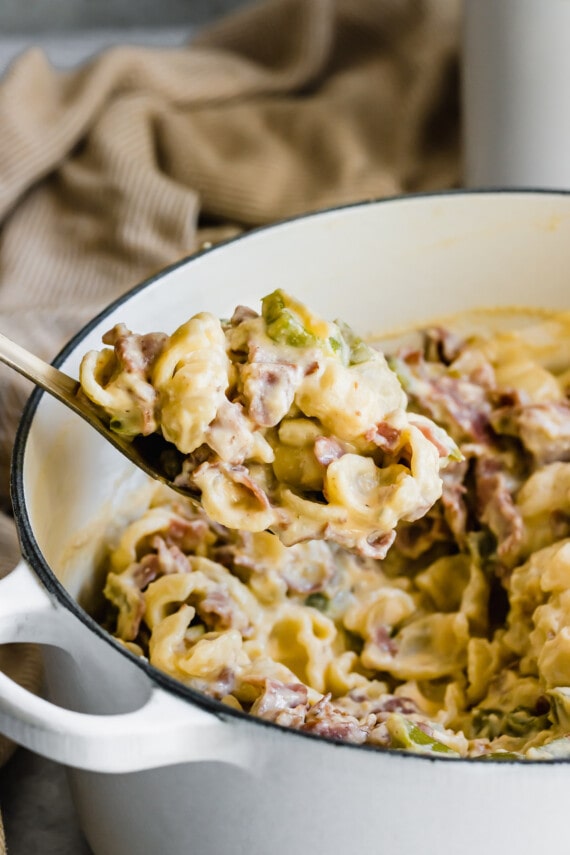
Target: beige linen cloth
column 113, row 170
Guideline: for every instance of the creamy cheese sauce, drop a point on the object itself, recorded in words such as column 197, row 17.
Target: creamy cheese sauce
column 287, row 422
column 457, row 640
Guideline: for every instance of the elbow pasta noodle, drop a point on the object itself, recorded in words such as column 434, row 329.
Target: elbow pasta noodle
column 456, row 641
column 190, row 377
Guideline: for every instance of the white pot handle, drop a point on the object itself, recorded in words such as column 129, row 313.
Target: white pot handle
column 164, row 731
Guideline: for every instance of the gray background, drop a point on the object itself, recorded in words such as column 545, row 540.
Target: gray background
column 71, row 31
column 36, row 16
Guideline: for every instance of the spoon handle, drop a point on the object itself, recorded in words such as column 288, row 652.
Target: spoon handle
column 58, row 384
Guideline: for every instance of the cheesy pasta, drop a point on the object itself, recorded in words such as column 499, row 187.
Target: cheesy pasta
column 457, row 641
column 285, row 422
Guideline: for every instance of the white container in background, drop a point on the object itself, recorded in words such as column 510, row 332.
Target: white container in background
column 516, row 93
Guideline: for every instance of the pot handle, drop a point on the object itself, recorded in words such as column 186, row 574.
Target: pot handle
column 165, row 731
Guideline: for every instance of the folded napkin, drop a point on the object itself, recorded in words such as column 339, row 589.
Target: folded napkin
column 135, row 159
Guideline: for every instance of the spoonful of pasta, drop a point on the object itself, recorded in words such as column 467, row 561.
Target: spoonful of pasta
column 274, row 420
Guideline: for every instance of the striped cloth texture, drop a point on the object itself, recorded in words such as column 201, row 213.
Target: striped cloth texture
column 112, row 170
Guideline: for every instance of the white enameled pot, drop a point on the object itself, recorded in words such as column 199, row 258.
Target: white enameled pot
column 155, row 767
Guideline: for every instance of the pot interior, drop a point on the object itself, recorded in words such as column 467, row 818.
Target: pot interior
column 378, row 266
